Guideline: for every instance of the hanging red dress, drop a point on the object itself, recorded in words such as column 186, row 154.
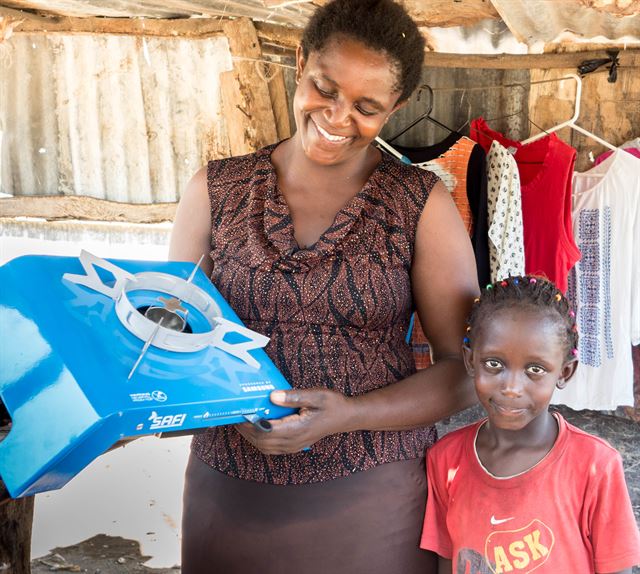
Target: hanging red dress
column 546, row 170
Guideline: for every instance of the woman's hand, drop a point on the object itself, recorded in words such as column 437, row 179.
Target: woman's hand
column 322, row 413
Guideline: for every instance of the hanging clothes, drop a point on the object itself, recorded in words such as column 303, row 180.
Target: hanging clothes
column 460, row 163
column 506, row 239
column 545, row 168
column 605, row 284
column 632, row 147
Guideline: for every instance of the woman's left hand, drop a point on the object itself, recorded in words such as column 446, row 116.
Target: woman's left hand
column 321, row 413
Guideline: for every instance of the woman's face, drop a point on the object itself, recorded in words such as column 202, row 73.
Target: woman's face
column 345, row 94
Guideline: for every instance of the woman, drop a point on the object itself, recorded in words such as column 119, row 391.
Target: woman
column 326, row 246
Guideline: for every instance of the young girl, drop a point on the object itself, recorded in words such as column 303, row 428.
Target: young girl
column 523, row 490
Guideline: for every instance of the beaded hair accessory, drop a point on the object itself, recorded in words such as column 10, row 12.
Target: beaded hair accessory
column 534, row 290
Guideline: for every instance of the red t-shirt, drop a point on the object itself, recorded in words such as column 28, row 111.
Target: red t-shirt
column 570, row 513
column 546, row 171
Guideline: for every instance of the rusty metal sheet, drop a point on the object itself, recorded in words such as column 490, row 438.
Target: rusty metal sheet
column 534, row 22
column 120, row 118
column 541, row 22
column 428, row 13
column 286, row 13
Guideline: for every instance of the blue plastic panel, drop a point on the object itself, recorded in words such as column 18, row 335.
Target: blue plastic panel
column 64, row 362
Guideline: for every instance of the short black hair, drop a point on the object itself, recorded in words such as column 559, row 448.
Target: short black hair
column 381, row 25
column 528, row 292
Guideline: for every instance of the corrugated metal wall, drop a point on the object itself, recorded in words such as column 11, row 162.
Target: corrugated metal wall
column 127, row 119
column 120, row 118
column 104, row 239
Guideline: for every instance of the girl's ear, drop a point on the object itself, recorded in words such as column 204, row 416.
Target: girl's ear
column 568, row 370
column 300, row 63
column 467, row 357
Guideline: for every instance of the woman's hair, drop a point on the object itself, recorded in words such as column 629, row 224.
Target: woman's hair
column 528, row 292
column 381, row 25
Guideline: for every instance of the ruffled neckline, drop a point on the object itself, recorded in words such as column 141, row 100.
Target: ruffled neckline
column 278, row 224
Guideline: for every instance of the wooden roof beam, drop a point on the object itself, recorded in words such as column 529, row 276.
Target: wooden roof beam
column 290, row 37
column 53, row 208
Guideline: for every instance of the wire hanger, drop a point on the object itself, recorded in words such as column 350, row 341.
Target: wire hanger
column 570, row 123
column 468, row 120
column 424, row 116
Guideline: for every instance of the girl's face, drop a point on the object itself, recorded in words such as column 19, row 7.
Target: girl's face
column 517, row 360
column 345, row 94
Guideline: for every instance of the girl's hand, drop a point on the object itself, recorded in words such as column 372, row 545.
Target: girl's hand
column 321, row 413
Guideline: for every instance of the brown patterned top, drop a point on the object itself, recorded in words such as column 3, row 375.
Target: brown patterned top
column 337, row 312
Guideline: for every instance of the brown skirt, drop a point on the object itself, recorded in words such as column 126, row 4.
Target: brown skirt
column 366, row 523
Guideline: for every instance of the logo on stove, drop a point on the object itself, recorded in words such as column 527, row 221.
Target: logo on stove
column 167, row 421
column 159, row 396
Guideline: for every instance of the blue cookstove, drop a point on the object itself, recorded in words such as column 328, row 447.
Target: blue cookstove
column 94, row 351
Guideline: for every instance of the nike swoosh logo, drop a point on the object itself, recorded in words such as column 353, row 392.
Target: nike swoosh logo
column 495, row 521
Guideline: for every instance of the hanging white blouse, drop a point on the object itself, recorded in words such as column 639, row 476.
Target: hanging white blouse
column 604, row 286
column 506, row 236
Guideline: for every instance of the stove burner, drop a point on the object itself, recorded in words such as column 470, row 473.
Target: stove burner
column 165, row 326
column 169, row 319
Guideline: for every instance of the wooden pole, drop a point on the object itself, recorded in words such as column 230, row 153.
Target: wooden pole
column 52, row 208
column 16, row 518
column 246, row 101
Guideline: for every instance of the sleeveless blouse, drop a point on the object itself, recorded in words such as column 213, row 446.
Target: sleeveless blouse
column 546, row 169
column 337, row 312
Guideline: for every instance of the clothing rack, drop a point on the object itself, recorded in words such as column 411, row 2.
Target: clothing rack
column 570, row 123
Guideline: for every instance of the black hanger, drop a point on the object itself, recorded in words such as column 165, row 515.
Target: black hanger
column 425, row 116
column 513, row 115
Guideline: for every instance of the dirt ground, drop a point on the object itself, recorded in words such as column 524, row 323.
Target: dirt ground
column 98, row 555
column 114, row 555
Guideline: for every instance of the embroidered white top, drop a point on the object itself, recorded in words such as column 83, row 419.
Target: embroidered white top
column 604, row 286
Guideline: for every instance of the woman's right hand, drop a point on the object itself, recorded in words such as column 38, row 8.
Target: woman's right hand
column 321, row 413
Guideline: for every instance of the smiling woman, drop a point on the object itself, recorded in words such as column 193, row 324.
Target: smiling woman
column 327, row 247
column 345, row 94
